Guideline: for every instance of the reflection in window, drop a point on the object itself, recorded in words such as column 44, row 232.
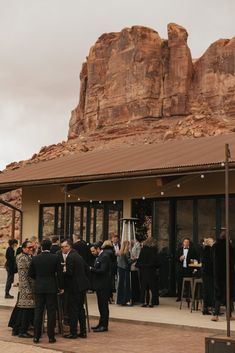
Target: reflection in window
column 48, row 221
column 113, row 221
column 60, row 229
column 206, row 218
column 184, row 219
column 92, row 215
column 99, row 223
column 143, row 211
column 84, row 227
column 162, row 222
column 77, row 220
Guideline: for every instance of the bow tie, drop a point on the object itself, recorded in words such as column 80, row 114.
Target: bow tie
column 186, row 248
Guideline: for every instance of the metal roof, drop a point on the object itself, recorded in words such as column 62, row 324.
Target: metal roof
column 127, row 161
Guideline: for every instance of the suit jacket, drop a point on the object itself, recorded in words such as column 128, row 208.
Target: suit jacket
column 83, row 250
column 45, row 268
column 76, row 277
column 101, row 272
column 55, row 248
column 191, row 255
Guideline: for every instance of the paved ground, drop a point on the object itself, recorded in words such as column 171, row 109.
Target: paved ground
column 163, row 329
column 122, row 337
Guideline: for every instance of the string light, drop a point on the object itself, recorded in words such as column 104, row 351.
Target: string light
column 114, row 202
column 39, row 201
column 162, row 193
column 79, row 199
column 69, row 195
column 100, row 201
column 90, row 201
column 222, row 164
column 202, row 176
column 178, row 185
column 143, row 197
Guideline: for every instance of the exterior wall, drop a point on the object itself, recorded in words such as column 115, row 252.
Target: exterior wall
column 192, row 185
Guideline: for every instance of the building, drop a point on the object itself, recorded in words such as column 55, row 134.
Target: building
column 174, row 188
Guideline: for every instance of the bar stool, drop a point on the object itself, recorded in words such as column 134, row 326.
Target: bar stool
column 197, row 287
column 186, row 280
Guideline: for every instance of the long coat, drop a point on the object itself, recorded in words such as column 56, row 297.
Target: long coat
column 26, row 284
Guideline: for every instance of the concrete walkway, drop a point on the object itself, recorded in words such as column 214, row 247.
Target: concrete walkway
column 167, row 313
column 161, row 326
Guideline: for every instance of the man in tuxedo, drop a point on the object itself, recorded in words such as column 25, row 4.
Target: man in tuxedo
column 183, row 257
column 45, row 268
column 101, row 283
column 82, row 248
column 76, row 273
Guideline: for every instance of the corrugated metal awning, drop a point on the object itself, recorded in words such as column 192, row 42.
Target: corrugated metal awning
column 128, row 161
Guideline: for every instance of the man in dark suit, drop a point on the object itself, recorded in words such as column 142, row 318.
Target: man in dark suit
column 45, row 268
column 101, row 283
column 82, row 248
column 76, row 281
column 219, row 272
column 10, row 266
column 184, row 255
column 55, row 246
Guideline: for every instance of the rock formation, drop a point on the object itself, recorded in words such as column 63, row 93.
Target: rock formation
column 137, row 88
column 133, row 78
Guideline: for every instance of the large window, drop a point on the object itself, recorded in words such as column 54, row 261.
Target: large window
column 206, row 218
column 92, row 220
column 184, row 220
column 161, row 220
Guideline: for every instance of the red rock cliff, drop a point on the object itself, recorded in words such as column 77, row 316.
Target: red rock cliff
column 133, row 78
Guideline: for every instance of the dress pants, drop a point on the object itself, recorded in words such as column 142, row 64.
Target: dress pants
column 76, row 312
column 48, row 300
column 103, row 306
column 10, row 280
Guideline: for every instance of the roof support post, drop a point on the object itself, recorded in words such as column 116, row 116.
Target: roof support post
column 65, row 209
column 228, row 297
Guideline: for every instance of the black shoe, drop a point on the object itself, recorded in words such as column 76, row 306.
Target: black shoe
column 52, row 340
column 9, row 296
column 95, row 327
column 71, row 336
column 144, row 305
column 25, row 335
column 206, row 312
column 36, row 340
column 15, row 333
column 82, row 335
column 100, row 329
column 178, row 300
column 150, row 305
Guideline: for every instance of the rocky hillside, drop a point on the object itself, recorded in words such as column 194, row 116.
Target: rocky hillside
column 136, row 87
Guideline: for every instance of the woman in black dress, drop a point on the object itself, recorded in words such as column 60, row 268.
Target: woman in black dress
column 148, row 263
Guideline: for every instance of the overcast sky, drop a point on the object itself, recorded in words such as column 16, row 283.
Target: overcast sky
column 44, row 42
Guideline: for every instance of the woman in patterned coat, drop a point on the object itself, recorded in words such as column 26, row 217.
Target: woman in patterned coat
column 26, row 302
